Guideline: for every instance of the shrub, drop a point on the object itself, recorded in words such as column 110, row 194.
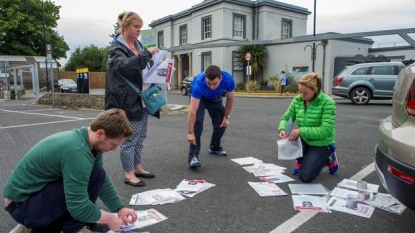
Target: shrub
column 240, row 86
column 253, row 86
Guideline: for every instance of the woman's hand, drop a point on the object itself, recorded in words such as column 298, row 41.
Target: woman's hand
column 282, row 134
column 294, row 135
column 154, row 50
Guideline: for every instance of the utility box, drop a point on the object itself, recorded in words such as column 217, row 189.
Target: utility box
column 82, row 80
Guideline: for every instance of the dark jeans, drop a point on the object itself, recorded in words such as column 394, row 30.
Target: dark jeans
column 46, row 211
column 216, row 112
column 282, row 88
column 314, row 159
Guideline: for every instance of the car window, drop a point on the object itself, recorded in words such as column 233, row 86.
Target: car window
column 382, row 70
column 65, row 82
column 360, row 71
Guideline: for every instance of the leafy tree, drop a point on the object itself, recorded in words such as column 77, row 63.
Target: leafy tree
column 91, row 56
column 22, row 32
column 258, row 58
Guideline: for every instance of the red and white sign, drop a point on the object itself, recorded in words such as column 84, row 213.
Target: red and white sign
column 248, row 56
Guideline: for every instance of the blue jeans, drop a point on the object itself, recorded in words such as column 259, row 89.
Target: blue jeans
column 46, row 211
column 314, row 159
column 216, row 112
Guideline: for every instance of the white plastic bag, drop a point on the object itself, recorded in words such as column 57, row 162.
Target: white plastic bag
column 289, row 150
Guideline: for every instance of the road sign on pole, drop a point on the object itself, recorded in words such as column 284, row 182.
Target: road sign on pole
column 248, row 56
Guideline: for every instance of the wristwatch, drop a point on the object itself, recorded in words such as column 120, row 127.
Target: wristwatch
column 227, row 116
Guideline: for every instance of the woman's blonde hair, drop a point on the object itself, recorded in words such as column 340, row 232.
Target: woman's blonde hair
column 126, row 18
column 312, row 81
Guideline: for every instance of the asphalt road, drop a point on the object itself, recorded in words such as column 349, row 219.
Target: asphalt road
column 232, row 205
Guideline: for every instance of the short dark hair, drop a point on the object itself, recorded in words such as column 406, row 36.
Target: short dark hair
column 212, row 72
column 114, row 122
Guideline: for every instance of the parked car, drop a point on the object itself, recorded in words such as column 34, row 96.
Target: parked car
column 363, row 82
column 185, row 88
column 395, row 151
column 66, row 86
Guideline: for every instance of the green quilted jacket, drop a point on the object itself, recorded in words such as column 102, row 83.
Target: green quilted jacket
column 317, row 121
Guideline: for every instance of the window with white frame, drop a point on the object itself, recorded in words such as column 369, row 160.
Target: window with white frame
column 286, row 28
column 206, row 60
column 206, row 27
column 183, row 34
column 160, row 39
column 238, row 26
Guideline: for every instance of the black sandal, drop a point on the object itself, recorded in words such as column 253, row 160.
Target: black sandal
column 140, row 183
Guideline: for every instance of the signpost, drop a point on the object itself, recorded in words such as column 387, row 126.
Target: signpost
column 248, row 57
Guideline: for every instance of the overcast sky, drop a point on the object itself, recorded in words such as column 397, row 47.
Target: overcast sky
column 86, row 22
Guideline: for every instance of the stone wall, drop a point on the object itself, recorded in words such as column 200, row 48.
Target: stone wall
column 73, row 101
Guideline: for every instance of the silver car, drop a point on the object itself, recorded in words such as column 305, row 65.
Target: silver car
column 362, row 82
column 395, row 151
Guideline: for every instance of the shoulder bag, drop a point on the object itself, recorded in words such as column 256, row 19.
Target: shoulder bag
column 152, row 97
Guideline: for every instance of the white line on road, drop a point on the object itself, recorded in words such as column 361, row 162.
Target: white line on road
column 299, row 219
column 41, row 114
column 46, row 123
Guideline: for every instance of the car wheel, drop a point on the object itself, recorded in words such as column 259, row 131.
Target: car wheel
column 360, row 95
column 184, row 91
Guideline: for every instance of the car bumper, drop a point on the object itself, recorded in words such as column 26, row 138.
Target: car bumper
column 339, row 91
column 397, row 187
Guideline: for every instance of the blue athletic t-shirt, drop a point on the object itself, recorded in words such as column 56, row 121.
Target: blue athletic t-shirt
column 200, row 88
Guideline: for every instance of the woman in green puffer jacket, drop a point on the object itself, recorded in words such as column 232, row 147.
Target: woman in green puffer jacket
column 314, row 113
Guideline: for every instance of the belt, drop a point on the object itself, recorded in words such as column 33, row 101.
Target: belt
column 11, row 207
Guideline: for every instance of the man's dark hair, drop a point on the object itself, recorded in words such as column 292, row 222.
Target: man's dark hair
column 213, row 72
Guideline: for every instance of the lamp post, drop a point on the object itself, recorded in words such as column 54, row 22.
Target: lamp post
column 44, row 46
column 313, row 52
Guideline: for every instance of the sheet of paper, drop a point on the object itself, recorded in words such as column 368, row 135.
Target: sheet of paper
column 339, row 204
column 190, row 186
column 246, row 160
column 265, row 189
column 145, row 218
column 312, row 189
column 310, row 203
column 279, row 178
column 206, row 186
column 352, row 184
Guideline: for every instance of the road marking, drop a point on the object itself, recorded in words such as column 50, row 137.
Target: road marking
column 41, row 114
column 44, row 123
column 299, row 219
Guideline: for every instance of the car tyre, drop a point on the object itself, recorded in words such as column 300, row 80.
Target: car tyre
column 184, row 91
column 360, row 96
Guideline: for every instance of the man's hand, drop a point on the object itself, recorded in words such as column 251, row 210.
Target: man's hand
column 225, row 122
column 127, row 215
column 191, row 138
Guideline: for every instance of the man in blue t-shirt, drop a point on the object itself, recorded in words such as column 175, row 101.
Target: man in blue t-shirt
column 206, row 93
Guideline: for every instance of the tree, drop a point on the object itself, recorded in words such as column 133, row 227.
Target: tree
column 92, row 57
column 258, row 58
column 21, row 27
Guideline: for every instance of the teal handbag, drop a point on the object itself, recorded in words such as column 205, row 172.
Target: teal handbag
column 152, row 97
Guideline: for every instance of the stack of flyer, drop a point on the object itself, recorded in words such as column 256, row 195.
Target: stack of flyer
column 145, row 218
column 265, row 189
column 349, row 197
column 265, row 169
column 307, row 197
column 190, row 187
column 156, row 197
